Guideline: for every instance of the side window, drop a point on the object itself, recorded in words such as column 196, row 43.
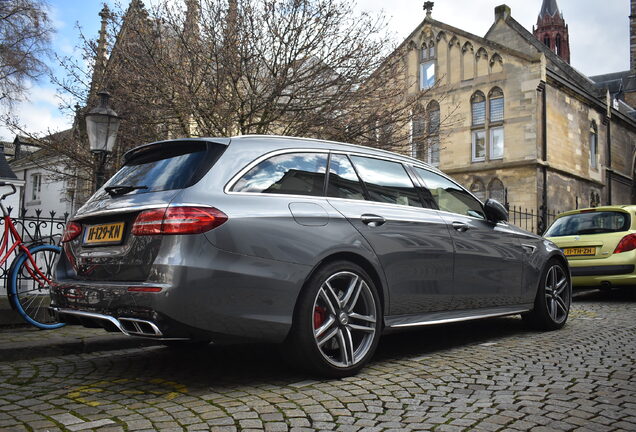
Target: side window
column 387, row 181
column 293, row 174
column 449, row 196
column 343, row 180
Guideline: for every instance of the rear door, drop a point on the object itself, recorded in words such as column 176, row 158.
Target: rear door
column 488, row 269
column 412, row 242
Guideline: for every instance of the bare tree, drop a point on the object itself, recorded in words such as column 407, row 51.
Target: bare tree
column 25, row 32
column 311, row 68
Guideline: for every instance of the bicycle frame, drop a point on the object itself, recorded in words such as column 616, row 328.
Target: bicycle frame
column 17, row 243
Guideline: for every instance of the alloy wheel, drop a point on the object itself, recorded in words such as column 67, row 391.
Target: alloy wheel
column 344, row 319
column 557, row 294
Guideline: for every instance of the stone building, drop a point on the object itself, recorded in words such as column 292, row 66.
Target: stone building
column 519, row 123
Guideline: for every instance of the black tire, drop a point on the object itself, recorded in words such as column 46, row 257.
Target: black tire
column 554, row 298
column 337, row 321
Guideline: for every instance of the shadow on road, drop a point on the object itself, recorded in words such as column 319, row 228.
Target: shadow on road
column 615, row 295
column 204, row 368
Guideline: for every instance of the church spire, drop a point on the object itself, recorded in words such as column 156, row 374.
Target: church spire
column 552, row 30
column 549, row 8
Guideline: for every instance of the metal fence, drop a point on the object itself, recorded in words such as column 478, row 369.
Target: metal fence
column 531, row 219
column 32, row 226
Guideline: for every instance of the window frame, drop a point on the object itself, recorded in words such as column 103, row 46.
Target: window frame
column 36, row 186
column 234, row 179
column 473, row 157
column 492, row 142
column 594, row 162
column 428, row 58
column 443, row 175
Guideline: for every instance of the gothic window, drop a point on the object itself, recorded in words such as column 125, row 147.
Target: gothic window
column 487, row 125
column 558, row 45
column 478, row 109
column 478, row 105
column 497, row 191
column 418, row 133
column 427, row 65
column 496, row 102
column 593, row 146
column 546, row 41
column 495, row 118
column 478, row 189
column 433, row 120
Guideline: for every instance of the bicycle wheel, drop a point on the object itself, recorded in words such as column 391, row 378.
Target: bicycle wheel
column 29, row 292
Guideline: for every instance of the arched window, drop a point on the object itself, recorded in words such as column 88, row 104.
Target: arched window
column 497, row 191
column 427, row 65
column 593, row 146
column 478, row 110
column 418, row 133
column 558, row 44
column 495, row 120
column 433, row 120
column 496, row 104
column 478, row 106
column 546, row 41
column 478, row 189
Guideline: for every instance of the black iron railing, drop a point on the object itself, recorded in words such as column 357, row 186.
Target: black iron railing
column 531, row 219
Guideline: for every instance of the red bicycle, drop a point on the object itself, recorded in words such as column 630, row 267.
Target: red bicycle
column 30, row 273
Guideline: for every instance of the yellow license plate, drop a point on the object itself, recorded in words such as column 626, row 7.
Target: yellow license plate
column 104, row 234
column 580, row 251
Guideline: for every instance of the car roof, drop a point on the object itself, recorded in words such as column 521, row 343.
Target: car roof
column 291, row 142
column 623, row 208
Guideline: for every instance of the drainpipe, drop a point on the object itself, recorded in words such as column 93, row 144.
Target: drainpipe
column 544, row 157
column 608, row 168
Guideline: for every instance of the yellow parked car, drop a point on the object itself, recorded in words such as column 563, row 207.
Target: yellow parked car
column 599, row 243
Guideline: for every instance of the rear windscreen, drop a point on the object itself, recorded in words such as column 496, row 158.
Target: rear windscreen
column 589, row 223
column 167, row 166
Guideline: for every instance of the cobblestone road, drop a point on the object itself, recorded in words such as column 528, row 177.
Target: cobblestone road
column 489, row 375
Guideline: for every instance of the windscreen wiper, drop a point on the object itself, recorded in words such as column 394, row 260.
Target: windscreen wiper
column 122, row 189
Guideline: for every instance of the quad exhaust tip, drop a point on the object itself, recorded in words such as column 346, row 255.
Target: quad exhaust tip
column 128, row 326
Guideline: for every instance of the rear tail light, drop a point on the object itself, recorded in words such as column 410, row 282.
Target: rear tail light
column 178, row 220
column 626, row 244
column 71, row 232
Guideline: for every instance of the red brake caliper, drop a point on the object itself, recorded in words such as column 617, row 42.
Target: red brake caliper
column 319, row 316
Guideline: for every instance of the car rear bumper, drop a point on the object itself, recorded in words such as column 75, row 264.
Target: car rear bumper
column 616, row 269
column 611, row 270
column 224, row 297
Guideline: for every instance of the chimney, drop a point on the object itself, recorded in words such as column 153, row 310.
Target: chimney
column 632, row 37
column 502, row 12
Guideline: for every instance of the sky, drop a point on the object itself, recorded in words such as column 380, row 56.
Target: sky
column 599, row 38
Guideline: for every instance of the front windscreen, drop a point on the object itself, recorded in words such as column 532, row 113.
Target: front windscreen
column 166, row 166
column 589, row 223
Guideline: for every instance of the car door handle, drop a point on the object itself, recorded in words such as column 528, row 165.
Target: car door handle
column 372, row 220
column 460, row 226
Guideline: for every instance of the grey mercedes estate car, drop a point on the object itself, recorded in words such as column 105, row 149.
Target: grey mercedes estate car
column 319, row 245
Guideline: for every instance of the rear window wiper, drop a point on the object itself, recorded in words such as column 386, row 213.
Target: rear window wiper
column 116, row 190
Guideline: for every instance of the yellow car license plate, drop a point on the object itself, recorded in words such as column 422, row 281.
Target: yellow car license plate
column 580, row 251
column 104, row 234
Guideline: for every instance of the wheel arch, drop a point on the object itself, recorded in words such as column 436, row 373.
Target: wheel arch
column 363, row 262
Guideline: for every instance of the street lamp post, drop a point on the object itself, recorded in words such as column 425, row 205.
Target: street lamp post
column 102, row 124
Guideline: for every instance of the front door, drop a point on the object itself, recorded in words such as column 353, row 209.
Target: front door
column 488, row 264
column 412, row 243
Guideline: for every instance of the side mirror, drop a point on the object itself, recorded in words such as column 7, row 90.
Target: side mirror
column 495, row 211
